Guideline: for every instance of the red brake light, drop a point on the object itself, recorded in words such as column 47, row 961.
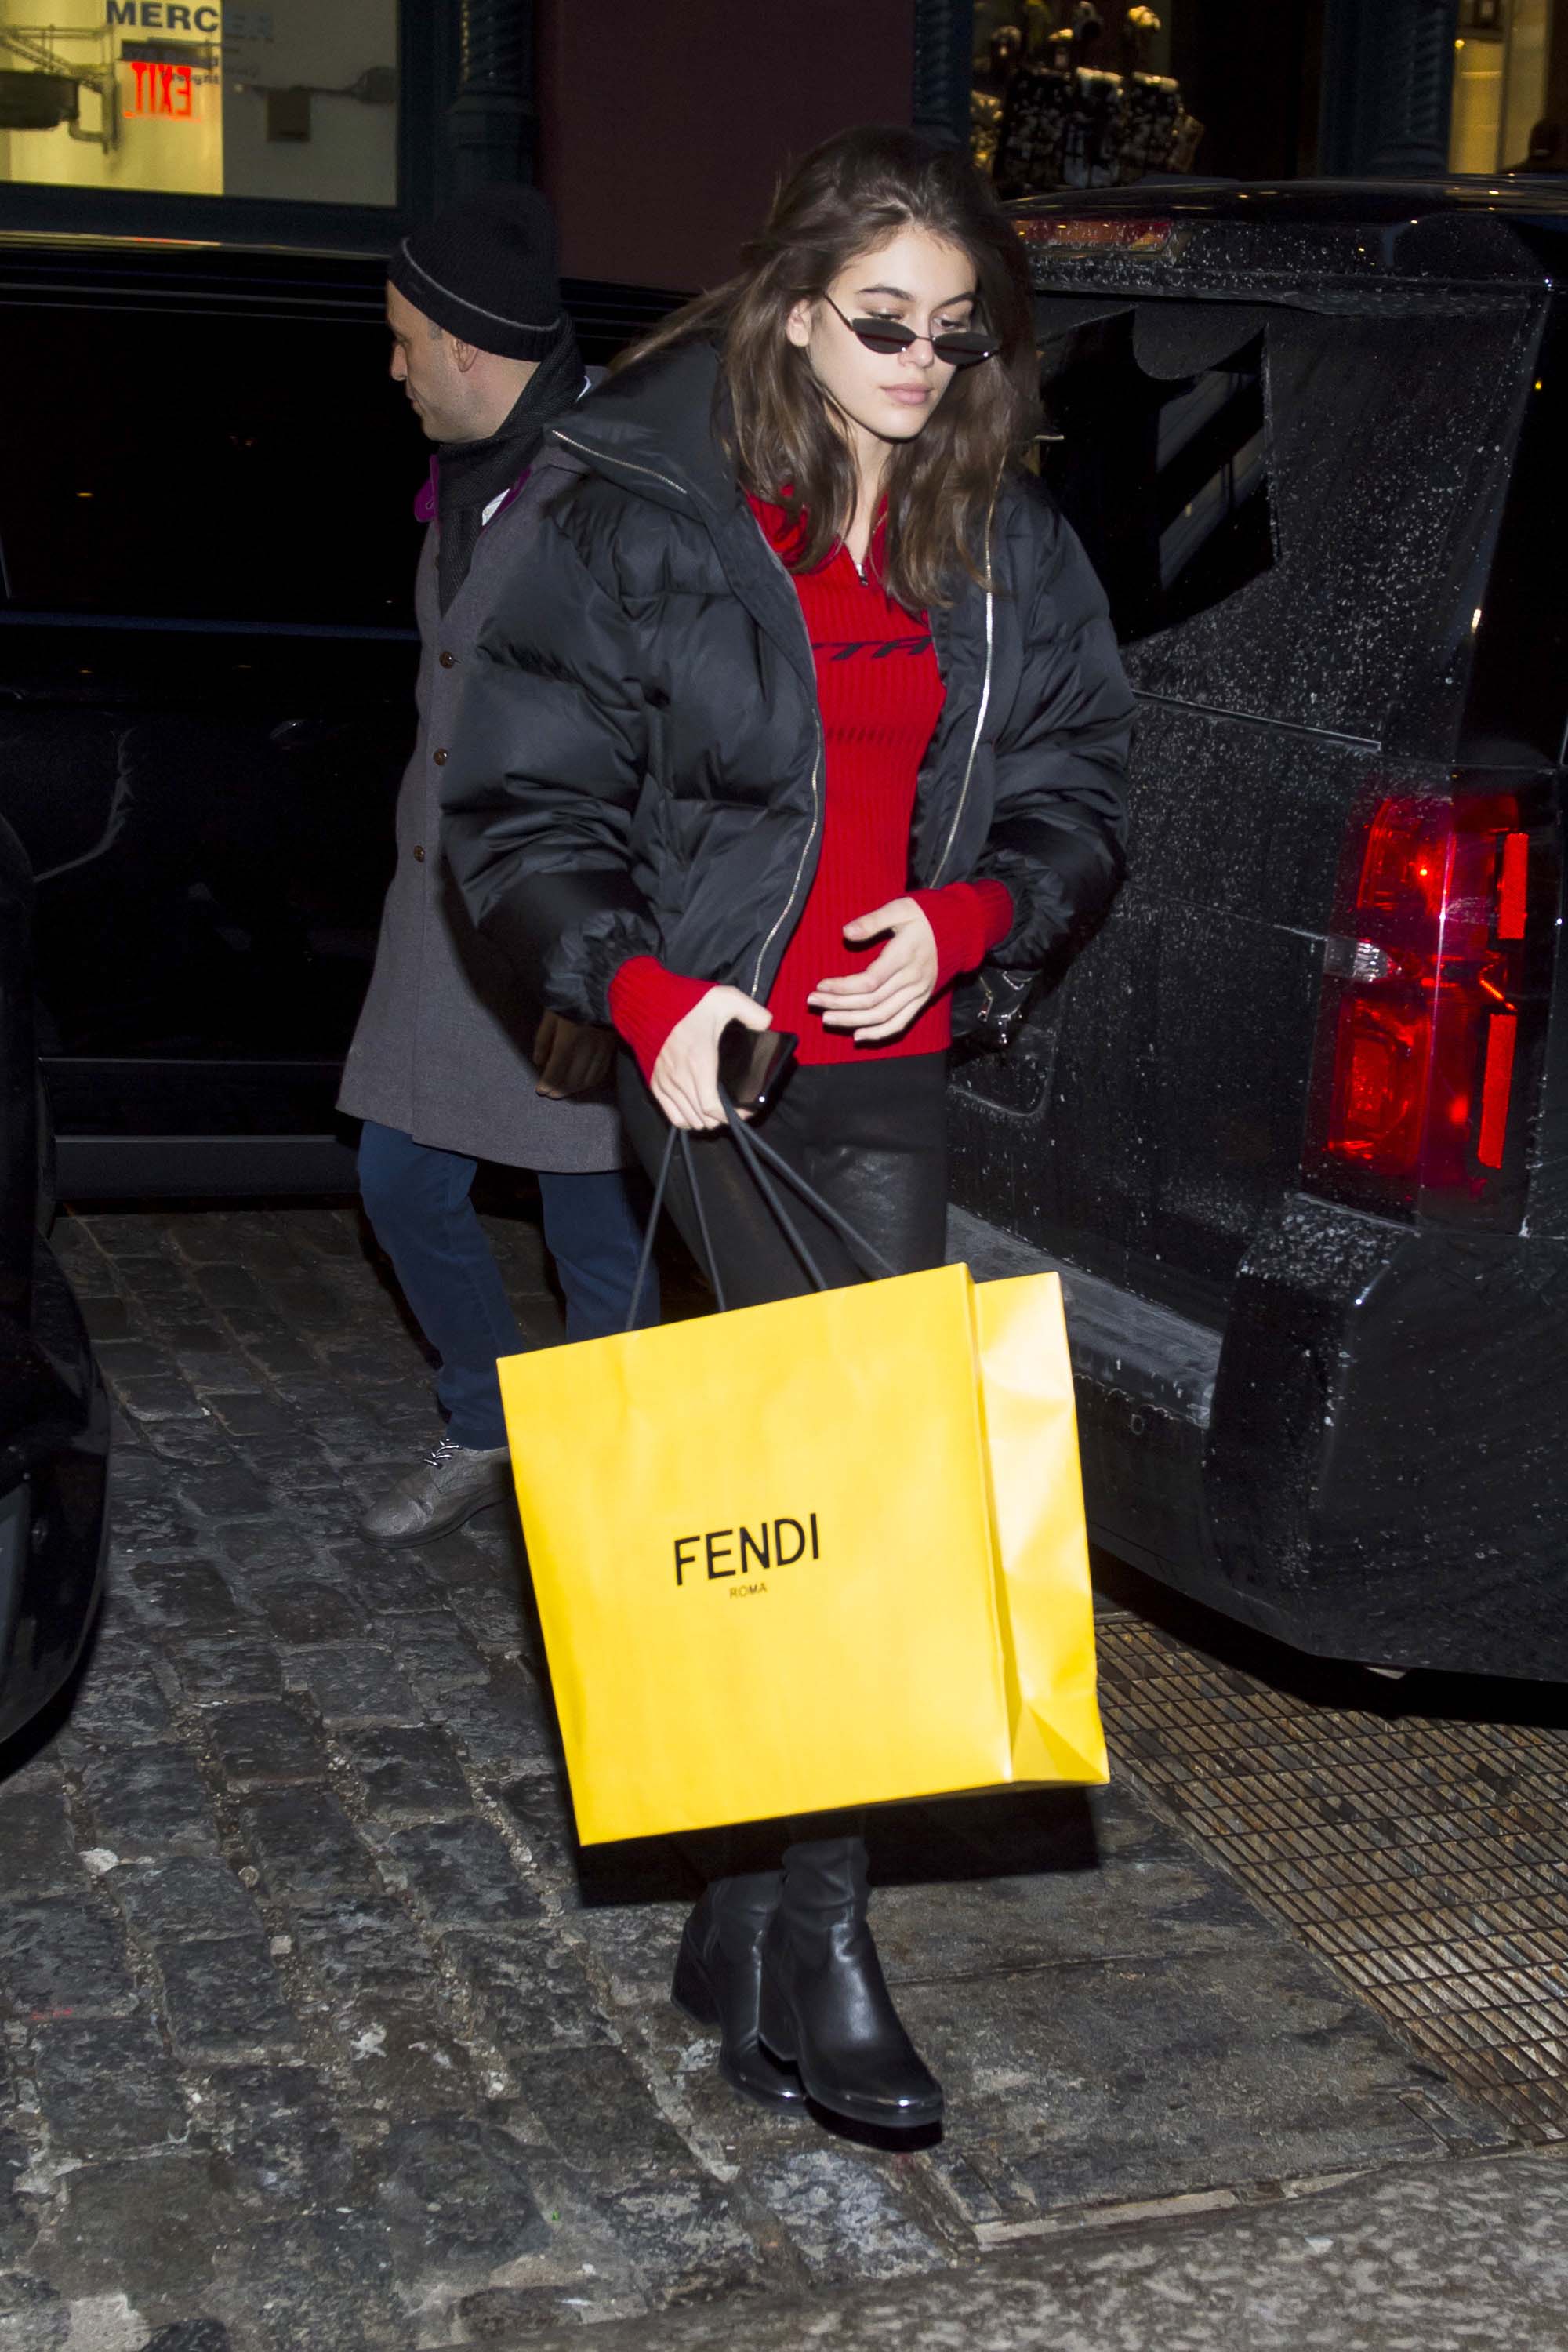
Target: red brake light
column 1426, row 981
column 1510, row 885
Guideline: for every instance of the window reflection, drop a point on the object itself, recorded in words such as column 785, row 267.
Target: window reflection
column 1166, row 482
column 1499, row 82
column 296, row 99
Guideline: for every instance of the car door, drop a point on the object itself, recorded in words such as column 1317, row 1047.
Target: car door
column 206, row 660
column 1293, row 511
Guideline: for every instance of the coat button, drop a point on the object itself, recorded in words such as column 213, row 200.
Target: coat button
column 447, row 660
column 419, row 852
column 440, row 759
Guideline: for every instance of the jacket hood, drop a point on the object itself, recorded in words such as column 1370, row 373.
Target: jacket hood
column 654, row 429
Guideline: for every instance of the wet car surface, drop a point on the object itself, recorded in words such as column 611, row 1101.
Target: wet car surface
column 1290, row 1123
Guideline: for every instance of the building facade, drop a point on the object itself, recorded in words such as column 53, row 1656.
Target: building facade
column 659, row 131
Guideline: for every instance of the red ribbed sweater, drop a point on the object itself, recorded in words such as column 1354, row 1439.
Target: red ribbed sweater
column 880, row 693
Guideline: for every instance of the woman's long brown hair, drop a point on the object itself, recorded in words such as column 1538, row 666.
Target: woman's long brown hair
column 849, row 197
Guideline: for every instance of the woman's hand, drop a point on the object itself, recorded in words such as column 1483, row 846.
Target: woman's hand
column 884, row 998
column 685, row 1080
column 570, row 1058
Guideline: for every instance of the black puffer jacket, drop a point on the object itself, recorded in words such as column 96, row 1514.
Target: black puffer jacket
column 637, row 764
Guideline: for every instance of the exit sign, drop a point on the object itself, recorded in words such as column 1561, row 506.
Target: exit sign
column 163, row 90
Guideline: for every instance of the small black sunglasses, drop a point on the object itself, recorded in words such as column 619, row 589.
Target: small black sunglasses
column 958, row 347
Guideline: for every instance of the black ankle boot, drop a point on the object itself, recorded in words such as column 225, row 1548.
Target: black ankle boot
column 717, row 1977
column 825, row 2006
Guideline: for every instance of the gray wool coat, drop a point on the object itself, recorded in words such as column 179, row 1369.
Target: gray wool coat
column 440, row 1049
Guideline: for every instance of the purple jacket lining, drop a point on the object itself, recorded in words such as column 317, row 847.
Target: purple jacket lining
column 427, row 505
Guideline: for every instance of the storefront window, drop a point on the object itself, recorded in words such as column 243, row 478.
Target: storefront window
column 1499, row 82
column 1064, row 96
column 292, row 98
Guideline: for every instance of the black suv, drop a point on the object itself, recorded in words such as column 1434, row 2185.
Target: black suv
column 1293, row 1125
column 1290, row 1124
column 207, row 547
column 54, row 1418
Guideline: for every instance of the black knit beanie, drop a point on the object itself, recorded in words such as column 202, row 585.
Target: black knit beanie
column 485, row 270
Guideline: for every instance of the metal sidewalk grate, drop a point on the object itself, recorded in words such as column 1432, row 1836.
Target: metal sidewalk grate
column 1425, row 1861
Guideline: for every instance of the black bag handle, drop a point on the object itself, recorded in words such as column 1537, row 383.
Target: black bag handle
column 695, row 1190
column 744, row 1144
column 753, row 1148
column 661, row 1185
column 757, row 1155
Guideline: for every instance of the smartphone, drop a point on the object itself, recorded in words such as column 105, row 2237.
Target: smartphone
column 752, row 1063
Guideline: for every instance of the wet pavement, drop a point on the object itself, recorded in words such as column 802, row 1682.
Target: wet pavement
column 1411, row 2261
column 317, row 2030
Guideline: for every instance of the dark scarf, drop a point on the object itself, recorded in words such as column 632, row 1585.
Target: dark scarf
column 470, row 474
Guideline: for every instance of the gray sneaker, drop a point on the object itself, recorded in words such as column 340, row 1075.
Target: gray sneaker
column 448, row 1487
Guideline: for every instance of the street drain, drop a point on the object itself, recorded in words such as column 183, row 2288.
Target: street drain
column 1426, row 1862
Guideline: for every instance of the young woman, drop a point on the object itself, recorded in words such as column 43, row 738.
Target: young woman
column 806, row 704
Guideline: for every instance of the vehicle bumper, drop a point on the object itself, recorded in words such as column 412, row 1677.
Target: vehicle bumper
column 1374, row 1467
column 1384, row 1465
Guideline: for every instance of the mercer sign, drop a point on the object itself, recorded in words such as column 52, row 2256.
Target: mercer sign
column 175, row 16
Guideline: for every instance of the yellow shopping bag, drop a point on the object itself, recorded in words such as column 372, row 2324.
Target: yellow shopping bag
column 822, row 1553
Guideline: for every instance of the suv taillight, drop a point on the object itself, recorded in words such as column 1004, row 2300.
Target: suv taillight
column 1433, row 1011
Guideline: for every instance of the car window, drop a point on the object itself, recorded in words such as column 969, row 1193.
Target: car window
column 209, row 466
column 1288, row 506
column 1166, row 481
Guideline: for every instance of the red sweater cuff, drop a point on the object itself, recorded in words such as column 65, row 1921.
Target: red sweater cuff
column 968, row 918
column 645, row 1002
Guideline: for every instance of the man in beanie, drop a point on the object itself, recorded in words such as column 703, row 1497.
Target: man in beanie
column 439, row 1070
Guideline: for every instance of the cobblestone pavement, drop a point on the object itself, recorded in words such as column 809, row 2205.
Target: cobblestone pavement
column 319, row 2032
column 1455, row 2258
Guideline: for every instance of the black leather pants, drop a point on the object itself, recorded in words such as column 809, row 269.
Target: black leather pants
column 871, row 1137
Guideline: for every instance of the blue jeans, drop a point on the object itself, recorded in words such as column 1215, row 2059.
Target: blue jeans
column 416, row 1199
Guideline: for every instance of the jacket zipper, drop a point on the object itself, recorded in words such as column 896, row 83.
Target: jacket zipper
column 603, row 457
column 979, row 720
column 816, row 788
